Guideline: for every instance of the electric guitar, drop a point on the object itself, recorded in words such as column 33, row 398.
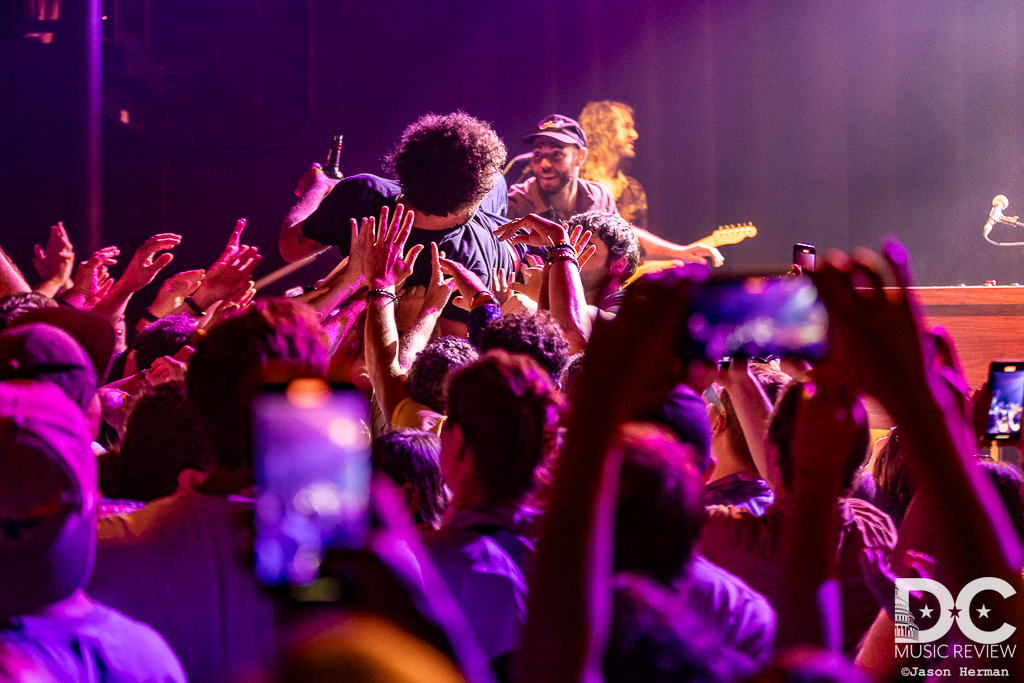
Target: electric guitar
column 724, row 234
column 728, row 234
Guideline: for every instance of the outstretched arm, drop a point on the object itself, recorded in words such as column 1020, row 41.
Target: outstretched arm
column 624, row 374
column 11, row 279
column 313, row 187
column 384, row 268
column 658, row 249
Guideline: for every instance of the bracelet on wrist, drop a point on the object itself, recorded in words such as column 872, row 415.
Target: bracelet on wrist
column 195, row 307
column 560, row 245
column 382, row 293
column 148, row 315
column 564, row 257
column 554, row 252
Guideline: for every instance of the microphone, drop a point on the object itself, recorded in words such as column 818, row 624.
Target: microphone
column 999, row 202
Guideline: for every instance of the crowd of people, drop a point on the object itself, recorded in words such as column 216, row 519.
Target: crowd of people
column 561, row 490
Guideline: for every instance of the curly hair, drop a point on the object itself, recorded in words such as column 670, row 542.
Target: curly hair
column 428, row 376
column 600, row 121
column 165, row 337
column 616, row 233
column 13, row 305
column 446, row 164
column 536, row 335
column 509, row 413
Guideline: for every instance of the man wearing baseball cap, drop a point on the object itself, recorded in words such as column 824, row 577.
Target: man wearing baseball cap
column 556, row 190
column 48, row 502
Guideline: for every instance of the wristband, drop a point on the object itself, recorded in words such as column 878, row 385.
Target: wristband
column 148, row 315
column 564, row 257
column 561, row 245
column 477, row 295
column 375, row 293
column 195, row 307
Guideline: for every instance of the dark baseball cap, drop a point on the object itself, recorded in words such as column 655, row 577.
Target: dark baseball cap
column 92, row 332
column 39, row 351
column 685, row 414
column 49, row 494
column 561, row 128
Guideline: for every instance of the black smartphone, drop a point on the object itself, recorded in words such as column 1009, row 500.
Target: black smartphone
column 1004, row 413
column 803, row 255
column 312, row 466
column 756, row 315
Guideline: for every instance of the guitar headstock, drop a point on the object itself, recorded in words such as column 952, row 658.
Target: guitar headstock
column 732, row 233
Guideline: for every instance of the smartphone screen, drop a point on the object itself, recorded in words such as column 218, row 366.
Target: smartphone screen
column 1004, row 413
column 803, row 255
column 312, row 468
column 757, row 316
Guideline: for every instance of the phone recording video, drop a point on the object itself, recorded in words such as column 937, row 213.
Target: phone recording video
column 757, row 316
column 803, row 255
column 1004, row 413
column 312, row 468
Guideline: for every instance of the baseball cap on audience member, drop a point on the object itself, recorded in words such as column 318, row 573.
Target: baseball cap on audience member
column 561, row 128
column 685, row 414
column 48, row 497
column 39, row 351
column 92, row 332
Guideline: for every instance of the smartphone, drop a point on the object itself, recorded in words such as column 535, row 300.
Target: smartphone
column 803, row 255
column 1004, row 413
column 311, row 459
column 756, row 315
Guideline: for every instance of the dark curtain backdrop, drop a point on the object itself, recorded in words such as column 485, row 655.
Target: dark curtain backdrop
column 825, row 122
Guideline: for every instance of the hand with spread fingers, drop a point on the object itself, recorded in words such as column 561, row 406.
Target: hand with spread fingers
column 145, row 264
column 174, row 290
column 540, row 232
column 384, row 263
column 227, row 279
column 55, row 263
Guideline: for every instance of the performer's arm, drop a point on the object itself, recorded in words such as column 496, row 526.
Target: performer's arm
column 312, row 189
column 658, row 249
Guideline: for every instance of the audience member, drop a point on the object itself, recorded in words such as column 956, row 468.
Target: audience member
column 174, row 564
column 49, row 499
column 535, row 335
column 447, row 170
column 13, row 305
column 412, row 459
column 503, row 415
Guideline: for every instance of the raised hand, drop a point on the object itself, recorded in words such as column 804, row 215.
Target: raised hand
column 540, row 232
column 229, row 278
column 143, row 267
column 234, row 244
column 91, row 279
column 55, row 263
column 384, row 265
column 532, row 270
column 466, row 281
column 439, row 288
column 174, row 290
column 500, row 286
column 875, row 333
column 315, row 179
column 580, row 241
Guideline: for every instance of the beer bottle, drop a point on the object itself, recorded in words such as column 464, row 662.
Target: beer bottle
column 332, row 169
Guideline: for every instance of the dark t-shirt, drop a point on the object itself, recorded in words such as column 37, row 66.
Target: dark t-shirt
column 472, row 244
